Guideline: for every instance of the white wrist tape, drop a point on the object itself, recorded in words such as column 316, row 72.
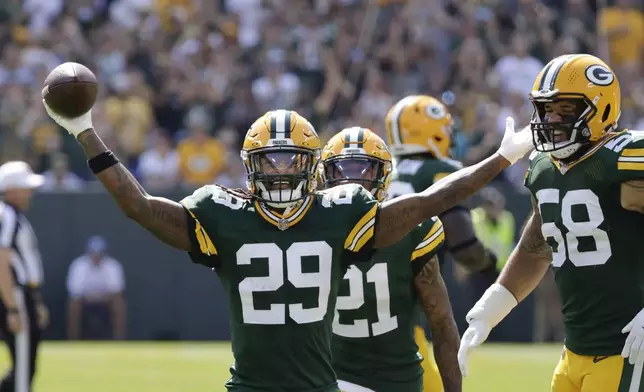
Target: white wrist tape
column 494, row 305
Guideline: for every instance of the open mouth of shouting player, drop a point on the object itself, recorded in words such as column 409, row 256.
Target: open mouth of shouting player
column 560, row 126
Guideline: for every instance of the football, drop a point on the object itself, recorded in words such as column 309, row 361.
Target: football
column 70, row 90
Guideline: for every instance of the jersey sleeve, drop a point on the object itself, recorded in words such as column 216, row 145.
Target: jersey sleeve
column 200, row 206
column 630, row 162
column 432, row 239
column 362, row 220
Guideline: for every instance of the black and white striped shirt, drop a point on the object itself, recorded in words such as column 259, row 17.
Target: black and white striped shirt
column 17, row 234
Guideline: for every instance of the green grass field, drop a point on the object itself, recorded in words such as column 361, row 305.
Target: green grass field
column 195, row 367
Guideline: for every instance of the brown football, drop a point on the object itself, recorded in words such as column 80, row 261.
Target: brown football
column 70, row 90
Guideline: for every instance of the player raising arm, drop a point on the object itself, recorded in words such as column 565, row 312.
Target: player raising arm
column 282, row 283
column 586, row 179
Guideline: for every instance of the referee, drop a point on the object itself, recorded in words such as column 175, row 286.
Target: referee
column 22, row 312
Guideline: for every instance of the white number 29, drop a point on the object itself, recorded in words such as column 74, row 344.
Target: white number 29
column 567, row 247
column 276, row 313
column 336, row 195
column 360, row 328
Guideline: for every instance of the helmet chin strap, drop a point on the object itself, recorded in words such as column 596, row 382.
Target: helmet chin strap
column 565, row 152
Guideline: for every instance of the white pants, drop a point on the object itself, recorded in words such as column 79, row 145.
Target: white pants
column 346, row 386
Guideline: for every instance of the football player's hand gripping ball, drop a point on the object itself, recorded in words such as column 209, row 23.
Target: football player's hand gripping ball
column 73, row 125
column 634, row 346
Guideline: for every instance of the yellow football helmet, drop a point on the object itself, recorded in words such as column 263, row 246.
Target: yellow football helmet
column 419, row 124
column 280, row 153
column 357, row 155
column 576, row 100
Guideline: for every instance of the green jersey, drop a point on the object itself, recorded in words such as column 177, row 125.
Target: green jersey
column 596, row 256
column 373, row 330
column 281, row 275
column 417, row 174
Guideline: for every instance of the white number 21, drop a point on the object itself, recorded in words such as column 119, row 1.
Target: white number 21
column 360, row 328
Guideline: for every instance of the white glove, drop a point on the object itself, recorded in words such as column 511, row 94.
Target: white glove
column 515, row 144
column 73, row 125
column 493, row 306
column 634, row 346
column 476, row 333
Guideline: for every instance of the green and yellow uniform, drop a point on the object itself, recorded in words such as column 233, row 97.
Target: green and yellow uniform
column 598, row 265
column 281, row 274
column 373, row 342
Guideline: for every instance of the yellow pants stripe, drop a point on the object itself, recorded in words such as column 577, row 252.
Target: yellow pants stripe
column 432, row 381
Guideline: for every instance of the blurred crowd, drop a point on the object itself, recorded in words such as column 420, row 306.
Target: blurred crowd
column 182, row 80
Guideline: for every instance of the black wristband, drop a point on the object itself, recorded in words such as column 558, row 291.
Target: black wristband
column 102, row 161
column 12, row 310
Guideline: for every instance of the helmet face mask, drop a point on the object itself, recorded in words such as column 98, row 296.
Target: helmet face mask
column 355, row 169
column 560, row 125
column 281, row 175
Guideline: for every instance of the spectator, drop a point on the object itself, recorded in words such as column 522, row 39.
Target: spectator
column 621, row 29
column 95, row 284
column 59, row 178
column 129, row 112
column 276, row 88
column 201, row 157
column 374, row 100
column 234, row 174
column 518, row 69
column 159, row 166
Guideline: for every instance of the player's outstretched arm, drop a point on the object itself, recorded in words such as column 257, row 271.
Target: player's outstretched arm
column 164, row 218
column 400, row 215
column 438, row 310
column 525, row 268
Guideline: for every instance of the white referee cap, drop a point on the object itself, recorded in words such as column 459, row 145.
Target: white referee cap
column 18, row 175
